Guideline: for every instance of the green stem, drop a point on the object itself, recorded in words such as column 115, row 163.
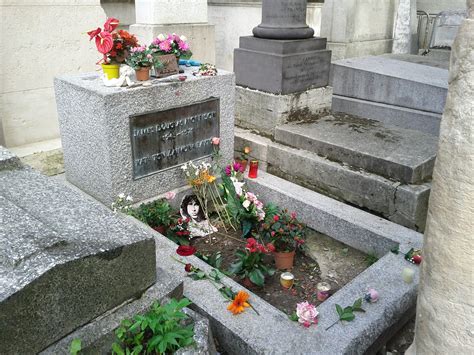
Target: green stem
column 225, row 209
column 332, row 325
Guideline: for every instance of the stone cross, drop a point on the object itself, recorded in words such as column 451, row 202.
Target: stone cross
column 283, row 19
column 445, row 308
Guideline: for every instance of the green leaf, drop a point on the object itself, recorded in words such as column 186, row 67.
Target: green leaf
column 293, row 317
column 339, row 310
column 348, row 317
column 76, row 347
column 236, row 267
column 116, row 349
column 246, row 227
column 257, row 277
column 357, row 303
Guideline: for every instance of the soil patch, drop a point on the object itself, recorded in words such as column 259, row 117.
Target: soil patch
column 335, row 263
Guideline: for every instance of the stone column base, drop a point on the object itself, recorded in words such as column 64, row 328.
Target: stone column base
column 262, row 112
column 201, row 37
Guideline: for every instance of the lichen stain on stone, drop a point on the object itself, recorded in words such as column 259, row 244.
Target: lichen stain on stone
column 305, row 115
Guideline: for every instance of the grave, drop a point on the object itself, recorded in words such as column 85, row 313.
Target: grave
column 281, row 69
column 111, row 136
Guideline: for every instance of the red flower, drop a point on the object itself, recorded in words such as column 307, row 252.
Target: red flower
column 104, row 42
column 276, row 218
column 93, row 33
column 273, row 233
column 113, row 53
column 186, row 250
column 111, row 24
column 270, row 247
column 188, row 267
column 118, row 45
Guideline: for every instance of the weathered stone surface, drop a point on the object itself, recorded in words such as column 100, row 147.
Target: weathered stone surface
column 262, row 112
column 407, row 118
column 249, row 333
column 8, row 160
column 398, row 154
column 64, row 260
column 95, row 129
column 267, row 70
column 393, row 82
column 446, row 28
column 444, row 323
column 355, row 186
column 404, row 36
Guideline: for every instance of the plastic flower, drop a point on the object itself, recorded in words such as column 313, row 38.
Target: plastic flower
column 239, row 303
column 111, row 24
column 216, row 141
column 307, row 314
column 186, row 250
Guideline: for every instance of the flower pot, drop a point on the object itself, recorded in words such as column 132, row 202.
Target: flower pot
column 284, row 260
column 111, row 71
column 160, row 229
column 143, row 74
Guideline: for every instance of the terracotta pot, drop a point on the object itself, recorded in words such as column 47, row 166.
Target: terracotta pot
column 143, row 74
column 247, row 283
column 160, row 229
column 284, row 260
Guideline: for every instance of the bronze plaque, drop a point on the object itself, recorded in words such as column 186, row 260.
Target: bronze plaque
column 164, row 139
column 170, row 66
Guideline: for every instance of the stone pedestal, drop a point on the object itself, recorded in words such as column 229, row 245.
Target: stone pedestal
column 133, row 141
column 282, row 66
column 184, row 17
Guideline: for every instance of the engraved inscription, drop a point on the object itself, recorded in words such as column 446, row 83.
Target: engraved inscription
column 165, row 139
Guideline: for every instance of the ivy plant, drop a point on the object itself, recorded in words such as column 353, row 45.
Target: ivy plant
column 161, row 330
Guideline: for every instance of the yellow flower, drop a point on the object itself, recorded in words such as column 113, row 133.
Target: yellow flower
column 211, row 178
column 239, row 303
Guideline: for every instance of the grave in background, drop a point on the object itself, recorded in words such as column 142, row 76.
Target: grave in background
column 118, row 140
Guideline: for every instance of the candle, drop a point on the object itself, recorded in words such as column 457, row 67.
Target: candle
column 253, row 169
column 287, row 279
column 408, row 275
column 323, row 291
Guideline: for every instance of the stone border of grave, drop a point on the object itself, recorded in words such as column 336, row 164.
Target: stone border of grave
column 249, row 333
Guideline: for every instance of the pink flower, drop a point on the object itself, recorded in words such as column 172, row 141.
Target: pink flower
column 276, row 218
column 216, row 141
column 149, row 56
column 293, row 215
column 237, row 167
column 183, row 46
column 111, row 24
column 104, row 42
column 251, row 197
column 371, row 295
column 165, row 46
column 307, row 313
column 228, row 170
column 170, row 195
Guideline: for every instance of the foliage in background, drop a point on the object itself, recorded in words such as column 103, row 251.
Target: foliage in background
column 155, row 213
column 371, row 258
column 178, row 231
column 214, row 259
column 161, row 330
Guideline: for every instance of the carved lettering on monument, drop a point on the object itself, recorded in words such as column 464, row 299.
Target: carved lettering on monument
column 164, row 139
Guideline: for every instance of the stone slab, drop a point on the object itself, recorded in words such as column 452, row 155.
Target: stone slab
column 355, row 186
column 420, row 59
column 282, row 46
column 393, row 82
column 8, row 160
column 281, row 73
column 95, row 131
column 422, row 121
column 64, row 260
column 402, row 155
column 171, row 11
column 249, row 333
column 262, row 112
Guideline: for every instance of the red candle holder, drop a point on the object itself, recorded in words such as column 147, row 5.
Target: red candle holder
column 253, row 169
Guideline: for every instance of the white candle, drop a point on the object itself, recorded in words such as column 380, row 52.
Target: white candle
column 408, row 275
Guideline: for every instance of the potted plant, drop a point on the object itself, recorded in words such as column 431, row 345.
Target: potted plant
column 171, row 44
column 141, row 59
column 250, row 266
column 287, row 234
column 113, row 45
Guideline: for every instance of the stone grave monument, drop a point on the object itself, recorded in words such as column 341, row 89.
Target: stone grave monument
column 133, row 141
column 281, row 70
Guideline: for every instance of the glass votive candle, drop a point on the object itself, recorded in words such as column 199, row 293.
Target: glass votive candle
column 253, row 169
column 408, row 275
column 323, row 291
column 287, row 279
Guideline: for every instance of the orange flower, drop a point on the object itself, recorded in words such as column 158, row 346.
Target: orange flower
column 239, row 303
column 211, row 178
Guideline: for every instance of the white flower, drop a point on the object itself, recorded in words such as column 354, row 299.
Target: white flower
column 246, row 204
column 161, row 37
column 121, row 196
column 183, row 38
column 237, row 185
column 129, row 198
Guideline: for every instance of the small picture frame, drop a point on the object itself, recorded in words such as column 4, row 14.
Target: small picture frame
column 169, row 66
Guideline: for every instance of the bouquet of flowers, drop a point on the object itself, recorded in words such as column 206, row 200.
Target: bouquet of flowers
column 171, row 44
column 284, row 231
column 140, row 57
column 114, row 45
